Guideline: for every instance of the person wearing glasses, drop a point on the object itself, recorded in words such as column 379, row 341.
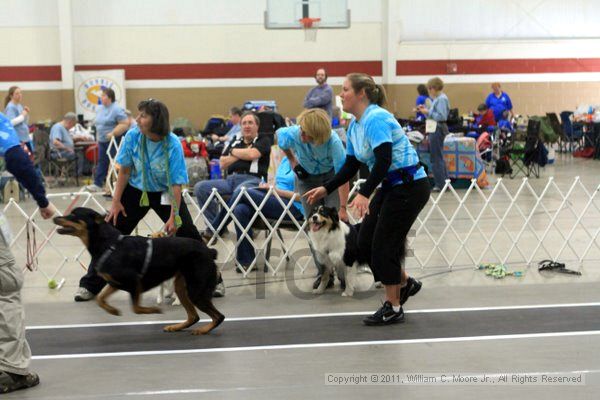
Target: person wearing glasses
column 151, row 174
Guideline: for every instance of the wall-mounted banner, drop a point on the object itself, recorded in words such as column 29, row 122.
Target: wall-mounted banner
column 88, row 89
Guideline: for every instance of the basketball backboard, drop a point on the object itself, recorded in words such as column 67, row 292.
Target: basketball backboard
column 286, row 14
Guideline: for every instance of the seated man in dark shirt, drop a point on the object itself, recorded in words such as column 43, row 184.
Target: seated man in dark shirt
column 246, row 161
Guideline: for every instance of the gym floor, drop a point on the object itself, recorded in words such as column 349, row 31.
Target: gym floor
column 280, row 341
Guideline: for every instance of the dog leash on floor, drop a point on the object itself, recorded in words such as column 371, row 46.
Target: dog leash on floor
column 499, row 271
column 554, row 266
column 31, row 261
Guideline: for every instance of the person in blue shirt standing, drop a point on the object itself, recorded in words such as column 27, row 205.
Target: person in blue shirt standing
column 18, row 114
column 316, row 154
column 320, row 96
column 423, row 99
column 376, row 139
column 499, row 101
column 111, row 121
column 152, row 172
column 15, row 353
column 438, row 114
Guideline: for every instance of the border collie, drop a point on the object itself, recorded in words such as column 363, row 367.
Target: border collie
column 336, row 247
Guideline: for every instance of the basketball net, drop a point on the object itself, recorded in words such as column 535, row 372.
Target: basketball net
column 310, row 26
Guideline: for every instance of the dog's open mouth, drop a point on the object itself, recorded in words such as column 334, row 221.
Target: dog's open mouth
column 315, row 226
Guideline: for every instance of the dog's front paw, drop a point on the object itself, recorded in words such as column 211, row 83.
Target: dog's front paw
column 347, row 293
column 114, row 311
column 318, row 291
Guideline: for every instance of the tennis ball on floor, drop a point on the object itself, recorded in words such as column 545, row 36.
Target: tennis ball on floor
column 52, row 284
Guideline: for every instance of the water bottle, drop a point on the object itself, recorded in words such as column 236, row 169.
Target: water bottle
column 215, row 169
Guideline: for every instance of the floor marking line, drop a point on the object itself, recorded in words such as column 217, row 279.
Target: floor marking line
column 320, row 345
column 323, row 315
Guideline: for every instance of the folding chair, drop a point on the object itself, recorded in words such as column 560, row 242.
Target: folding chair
column 563, row 140
column 572, row 131
column 524, row 160
column 62, row 169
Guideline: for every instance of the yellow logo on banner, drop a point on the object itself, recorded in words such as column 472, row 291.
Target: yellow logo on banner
column 89, row 93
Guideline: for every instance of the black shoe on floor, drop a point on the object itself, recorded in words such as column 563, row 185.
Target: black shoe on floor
column 412, row 287
column 385, row 316
column 330, row 284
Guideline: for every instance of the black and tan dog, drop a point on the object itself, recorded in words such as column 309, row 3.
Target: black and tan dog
column 136, row 264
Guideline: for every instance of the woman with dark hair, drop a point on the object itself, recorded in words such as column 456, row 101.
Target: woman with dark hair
column 152, row 170
column 376, row 139
column 111, row 121
column 423, row 99
column 17, row 113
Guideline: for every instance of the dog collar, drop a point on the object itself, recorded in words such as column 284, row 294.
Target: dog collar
column 108, row 252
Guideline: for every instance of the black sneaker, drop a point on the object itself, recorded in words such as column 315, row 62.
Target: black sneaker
column 330, row 284
column 412, row 287
column 385, row 316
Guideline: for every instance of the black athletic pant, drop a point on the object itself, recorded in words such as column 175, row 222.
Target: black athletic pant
column 382, row 235
column 131, row 202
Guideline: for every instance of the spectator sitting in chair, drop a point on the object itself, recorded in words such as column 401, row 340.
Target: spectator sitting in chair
column 246, row 161
column 235, row 116
column 504, row 123
column 271, row 208
column 61, row 142
column 484, row 118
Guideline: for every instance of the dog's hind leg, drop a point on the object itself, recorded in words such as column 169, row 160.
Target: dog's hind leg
column 135, row 299
column 101, row 300
column 206, row 306
column 192, row 314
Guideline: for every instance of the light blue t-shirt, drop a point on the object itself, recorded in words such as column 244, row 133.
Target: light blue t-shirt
column 378, row 126
column 439, row 108
column 316, row 160
column 8, row 135
column 154, row 162
column 107, row 118
column 285, row 180
column 12, row 111
column 58, row 131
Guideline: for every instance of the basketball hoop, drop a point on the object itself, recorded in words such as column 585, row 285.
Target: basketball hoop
column 310, row 26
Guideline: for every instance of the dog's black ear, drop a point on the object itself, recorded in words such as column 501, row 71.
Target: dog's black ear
column 333, row 214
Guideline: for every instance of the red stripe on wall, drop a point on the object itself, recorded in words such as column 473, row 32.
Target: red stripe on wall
column 239, row 70
column 500, row 66
column 38, row 73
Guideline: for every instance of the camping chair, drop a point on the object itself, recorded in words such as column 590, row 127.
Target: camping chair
column 563, row 140
column 572, row 131
column 525, row 160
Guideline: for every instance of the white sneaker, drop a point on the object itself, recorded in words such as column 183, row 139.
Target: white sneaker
column 220, row 288
column 93, row 188
column 82, row 294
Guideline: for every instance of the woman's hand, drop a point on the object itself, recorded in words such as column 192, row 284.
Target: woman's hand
column 115, row 209
column 361, row 205
column 343, row 213
column 170, row 227
column 316, row 194
column 264, row 186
